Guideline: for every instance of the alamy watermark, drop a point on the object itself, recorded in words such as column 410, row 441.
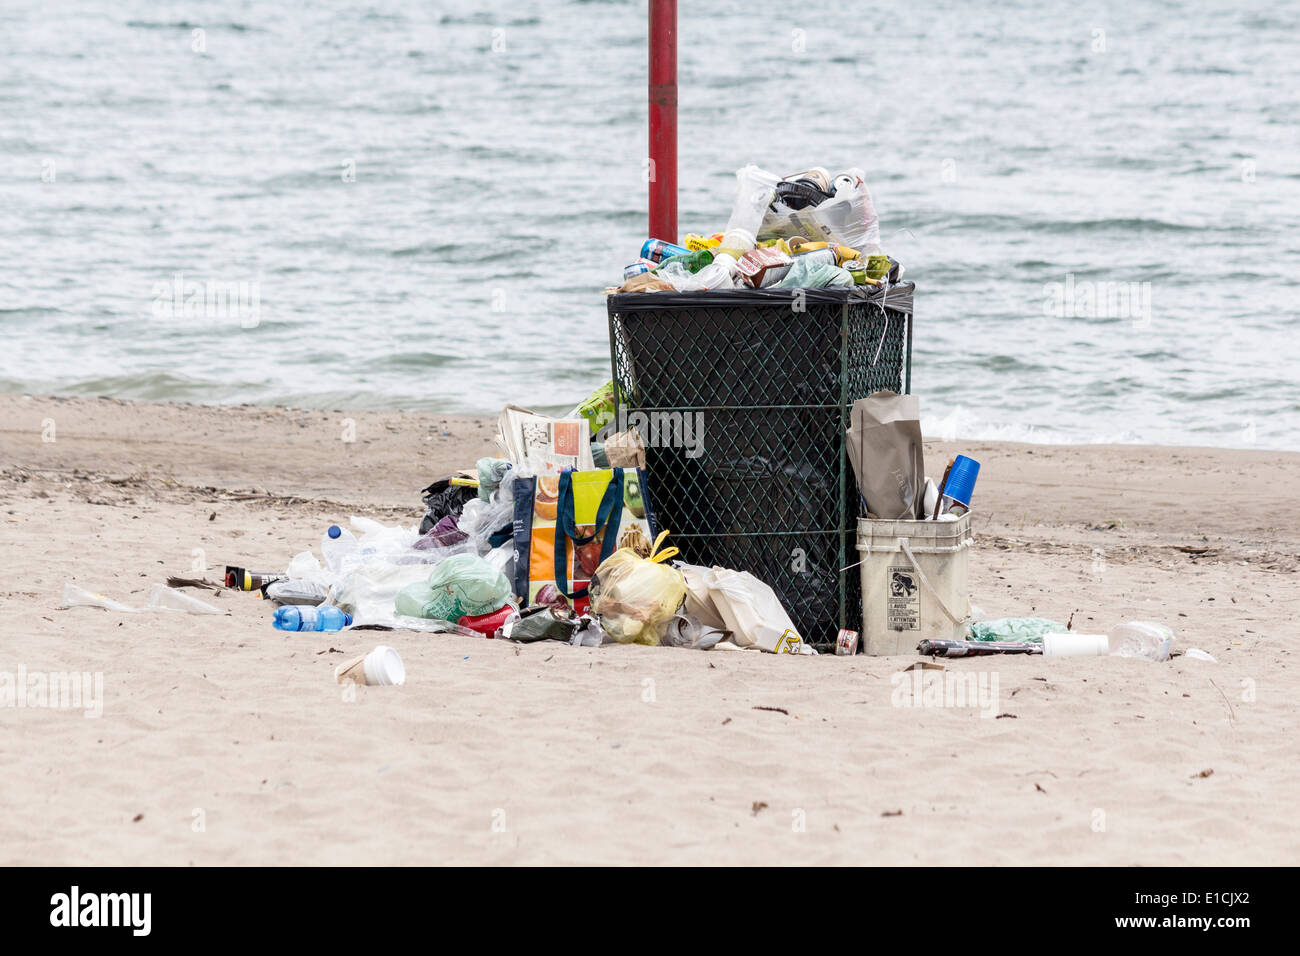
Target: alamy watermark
column 930, row 688
column 209, row 299
column 668, row 429
column 56, row 690
column 126, row 910
column 1098, row 300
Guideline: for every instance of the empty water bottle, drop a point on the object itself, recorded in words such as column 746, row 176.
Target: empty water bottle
column 1143, row 639
column 293, row 617
column 337, row 545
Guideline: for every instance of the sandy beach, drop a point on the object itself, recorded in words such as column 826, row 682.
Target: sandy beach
column 224, row 741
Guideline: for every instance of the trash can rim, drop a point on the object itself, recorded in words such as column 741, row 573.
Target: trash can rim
column 897, row 297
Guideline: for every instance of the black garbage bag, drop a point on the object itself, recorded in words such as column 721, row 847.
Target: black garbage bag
column 442, row 498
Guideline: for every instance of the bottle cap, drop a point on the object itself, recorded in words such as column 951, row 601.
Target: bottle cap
column 334, row 531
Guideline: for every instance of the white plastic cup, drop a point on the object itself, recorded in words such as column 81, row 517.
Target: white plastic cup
column 382, row 667
column 1075, row 645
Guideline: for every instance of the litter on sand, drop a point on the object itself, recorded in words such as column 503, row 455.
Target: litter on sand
column 636, row 517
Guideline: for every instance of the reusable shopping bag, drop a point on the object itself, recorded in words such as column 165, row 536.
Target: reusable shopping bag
column 567, row 524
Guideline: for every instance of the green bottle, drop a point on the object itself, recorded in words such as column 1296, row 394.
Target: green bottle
column 693, row 261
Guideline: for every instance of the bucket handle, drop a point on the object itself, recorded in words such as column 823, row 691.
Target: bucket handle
column 925, row 582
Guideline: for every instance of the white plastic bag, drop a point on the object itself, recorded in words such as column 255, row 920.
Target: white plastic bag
column 753, row 613
column 849, row 219
column 161, row 598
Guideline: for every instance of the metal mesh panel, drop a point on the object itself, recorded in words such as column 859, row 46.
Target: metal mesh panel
column 744, row 410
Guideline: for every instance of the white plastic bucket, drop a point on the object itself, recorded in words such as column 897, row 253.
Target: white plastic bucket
column 914, row 582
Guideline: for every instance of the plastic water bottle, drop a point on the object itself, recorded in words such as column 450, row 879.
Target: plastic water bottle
column 293, row 617
column 1143, row 639
column 337, row 545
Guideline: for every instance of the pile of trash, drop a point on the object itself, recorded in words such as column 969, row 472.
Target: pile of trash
column 914, row 537
column 809, row 230
column 549, row 541
column 555, row 538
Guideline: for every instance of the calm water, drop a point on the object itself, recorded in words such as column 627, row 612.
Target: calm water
column 1142, row 155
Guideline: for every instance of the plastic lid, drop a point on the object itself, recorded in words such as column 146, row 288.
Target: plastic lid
column 334, row 531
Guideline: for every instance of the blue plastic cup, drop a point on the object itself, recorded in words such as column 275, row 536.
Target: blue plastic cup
column 961, row 480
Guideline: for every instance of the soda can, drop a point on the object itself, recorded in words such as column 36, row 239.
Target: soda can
column 638, row 267
column 657, row 250
column 846, row 643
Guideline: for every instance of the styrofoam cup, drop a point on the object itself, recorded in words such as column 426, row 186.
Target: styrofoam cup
column 1075, row 645
column 384, row 667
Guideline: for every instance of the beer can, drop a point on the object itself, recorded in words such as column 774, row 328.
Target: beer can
column 638, row 267
column 657, row 250
column 846, row 643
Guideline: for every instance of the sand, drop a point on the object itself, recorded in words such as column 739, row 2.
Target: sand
column 224, row 741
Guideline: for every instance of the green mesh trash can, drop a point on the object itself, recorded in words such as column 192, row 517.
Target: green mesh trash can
column 743, row 399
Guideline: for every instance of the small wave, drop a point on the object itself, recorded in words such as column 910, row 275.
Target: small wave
column 33, row 310
column 420, row 360
column 188, row 25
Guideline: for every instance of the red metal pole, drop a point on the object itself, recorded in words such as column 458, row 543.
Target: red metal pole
column 663, row 120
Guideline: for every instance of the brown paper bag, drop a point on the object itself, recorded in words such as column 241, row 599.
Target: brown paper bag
column 625, row 449
column 884, row 441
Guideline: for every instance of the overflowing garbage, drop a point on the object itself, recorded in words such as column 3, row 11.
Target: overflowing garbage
column 556, row 538
column 809, row 230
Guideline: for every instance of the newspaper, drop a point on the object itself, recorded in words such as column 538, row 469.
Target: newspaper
column 548, row 445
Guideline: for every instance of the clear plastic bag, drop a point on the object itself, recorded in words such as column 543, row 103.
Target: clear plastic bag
column 754, row 191
column 161, row 598
column 368, row 593
column 848, row 219
column 634, row 597
column 480, row 520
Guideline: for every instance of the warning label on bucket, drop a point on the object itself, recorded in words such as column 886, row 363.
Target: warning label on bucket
column 904, row 599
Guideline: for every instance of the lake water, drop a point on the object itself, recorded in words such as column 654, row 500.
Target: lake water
column 1099, row 202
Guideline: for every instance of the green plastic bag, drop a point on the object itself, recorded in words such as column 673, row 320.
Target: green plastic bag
column 598, row 407
column 1015, row 630
column 461, row 585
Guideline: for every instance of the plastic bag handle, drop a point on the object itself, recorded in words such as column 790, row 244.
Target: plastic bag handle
column 610, row 507
column 608, row 514
column 666, row 553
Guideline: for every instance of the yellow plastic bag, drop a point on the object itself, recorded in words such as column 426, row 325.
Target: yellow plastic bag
column 636, row 597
